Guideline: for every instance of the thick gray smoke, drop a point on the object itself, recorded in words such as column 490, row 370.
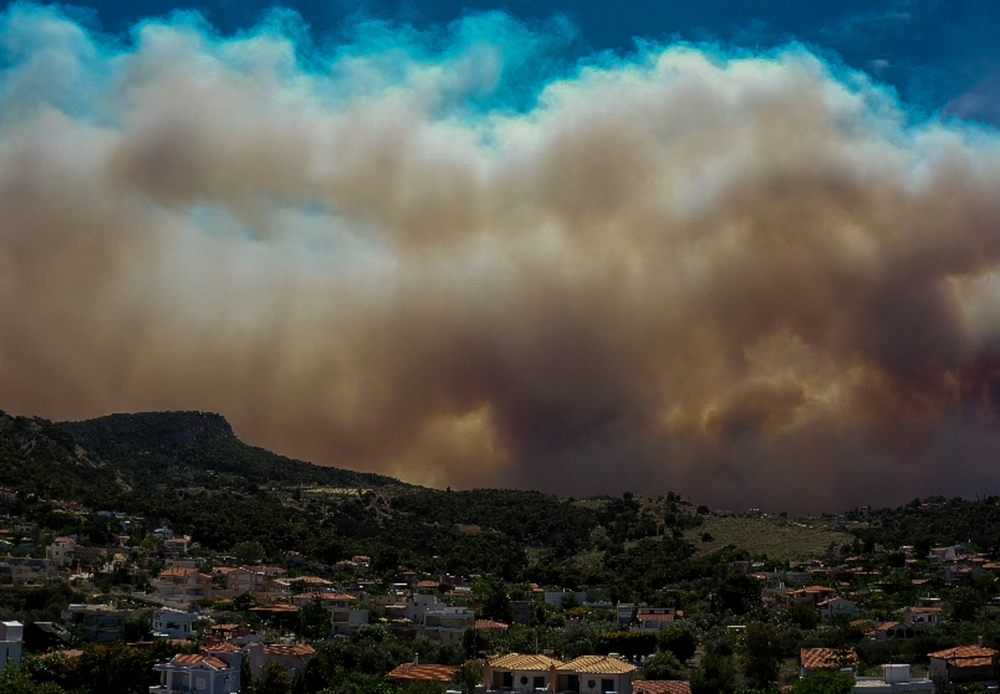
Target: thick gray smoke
column 745, row 278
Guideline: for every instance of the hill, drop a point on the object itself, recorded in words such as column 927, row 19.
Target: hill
column 39, row 458
column 158, row 449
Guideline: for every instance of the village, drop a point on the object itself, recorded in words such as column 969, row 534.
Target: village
column 221, row 624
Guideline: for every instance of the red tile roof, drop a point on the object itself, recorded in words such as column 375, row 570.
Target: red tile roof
column 194, row 659
column 825, row 658
column 414, row 672
column 966, row 656
column 490, row 624
column 298, row 650
column 661, row 687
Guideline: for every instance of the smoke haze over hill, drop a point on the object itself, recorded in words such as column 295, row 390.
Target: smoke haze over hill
column 750, row 278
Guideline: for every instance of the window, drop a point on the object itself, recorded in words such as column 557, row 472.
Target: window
column 607, row 685
column 539, row 682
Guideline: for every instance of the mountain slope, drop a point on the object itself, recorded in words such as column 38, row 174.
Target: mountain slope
column 200, row 449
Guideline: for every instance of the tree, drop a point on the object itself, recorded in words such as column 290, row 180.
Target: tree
column 273, row 680
column 762, row 653
column 715, row 676
column 680, row 641
column 664, row 666
column 469, row 675
column 248, row 551
column 316, row 621
column 824, row 682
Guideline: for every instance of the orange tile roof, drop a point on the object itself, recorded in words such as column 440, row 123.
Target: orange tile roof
column 414, row 672
column 298, row 650
column 661, row 687
column 824, row 658
column 193, row 659
column 225, row 646
column 490, row 624
column 598, row 665
column 524, row 663
column 966, row 656
column 178, row 571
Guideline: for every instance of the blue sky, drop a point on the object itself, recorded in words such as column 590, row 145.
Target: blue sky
column 932, row 52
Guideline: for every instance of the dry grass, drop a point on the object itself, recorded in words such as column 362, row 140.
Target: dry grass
column 778, row 538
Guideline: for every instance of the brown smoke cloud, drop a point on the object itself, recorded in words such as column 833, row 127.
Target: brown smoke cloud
column 744, row 279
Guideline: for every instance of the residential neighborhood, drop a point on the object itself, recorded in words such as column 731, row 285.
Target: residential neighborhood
column 221, row 581
column 223, row 626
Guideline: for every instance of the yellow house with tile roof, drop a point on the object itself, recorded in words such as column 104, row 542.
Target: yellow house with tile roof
column 595, row 674
column 520, row 673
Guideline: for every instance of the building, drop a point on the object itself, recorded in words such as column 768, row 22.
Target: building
column 174, row 624
column 183, row 586
column 656, row 619
column 62, row 551
column 661, row 687
column 448, row 624
column 408, row 673
column 832, row 607
column 895, row 678
column 292, row 657
column 100, row 623
column 814, row 659
column 918, row 617
column 595, row 674
column 520, row 673
column 963, row 664
column 11, row 643
column 196, row 674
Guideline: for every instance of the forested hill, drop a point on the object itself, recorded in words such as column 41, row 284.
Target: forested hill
column 40, row 458
column 157, row 448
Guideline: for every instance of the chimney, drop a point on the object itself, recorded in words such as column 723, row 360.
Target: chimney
column 979, row 641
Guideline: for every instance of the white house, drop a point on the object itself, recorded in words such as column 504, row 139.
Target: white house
column 832, row 607
column 11, row 640
column 196, row 674
column 895, row 678
column 174, row 624
column 448, row 624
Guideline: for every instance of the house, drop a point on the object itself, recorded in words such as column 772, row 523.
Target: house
column 962, row 664
column 25, row 569
column 448, row 624
column 231, row 655
column 814, row 659
column 661, row 687
column 196, row 674
column 292, row 657
column 655, row 619
column 182, row 586
column 895, row 678
column 41, row 637
column 174, row 624
column 408, row 673
column 834, row 606
column 520, row 673
column 345, row 618
column 591, row 674
column 813, row 595
column 894, row 630
column 11, row 642
column 918, row 617
column 61, row 551
column 99, row 623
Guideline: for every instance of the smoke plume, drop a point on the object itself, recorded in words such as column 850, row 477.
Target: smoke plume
column 747, row 278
